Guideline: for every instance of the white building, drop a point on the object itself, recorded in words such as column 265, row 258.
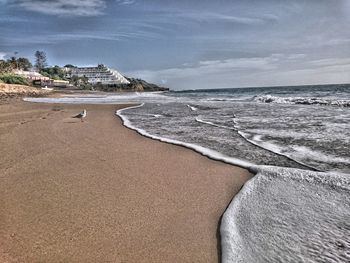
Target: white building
column 100, row 74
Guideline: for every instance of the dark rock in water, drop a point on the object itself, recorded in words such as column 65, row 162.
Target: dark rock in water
column 134, row 85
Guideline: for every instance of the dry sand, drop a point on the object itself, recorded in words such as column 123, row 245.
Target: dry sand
column 96, row 191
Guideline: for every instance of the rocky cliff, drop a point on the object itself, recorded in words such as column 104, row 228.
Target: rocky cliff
column 134, row 85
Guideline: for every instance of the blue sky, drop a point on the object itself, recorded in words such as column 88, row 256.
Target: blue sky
column 188, row 44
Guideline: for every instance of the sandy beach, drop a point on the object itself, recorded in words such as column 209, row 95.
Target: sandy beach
column 96, row 191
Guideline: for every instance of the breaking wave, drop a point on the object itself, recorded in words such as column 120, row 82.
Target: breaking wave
column 303, row 101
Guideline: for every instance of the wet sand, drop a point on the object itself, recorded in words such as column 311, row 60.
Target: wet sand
column 96, row 191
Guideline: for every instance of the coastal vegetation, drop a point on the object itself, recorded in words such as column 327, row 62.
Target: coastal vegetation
column 81, row 83
column 40, row 60
column 54, row 72
column 134, row 85
column 11, row 73
column 13, row 79
column 7, row 66
column 41, row 65
column 69, row 66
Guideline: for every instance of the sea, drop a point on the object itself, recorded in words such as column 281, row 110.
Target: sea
column 296, row 140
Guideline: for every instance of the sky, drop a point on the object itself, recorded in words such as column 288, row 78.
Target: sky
column 188, row 44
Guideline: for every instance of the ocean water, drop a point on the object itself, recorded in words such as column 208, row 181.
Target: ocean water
column 288, row 215
column 296, row 140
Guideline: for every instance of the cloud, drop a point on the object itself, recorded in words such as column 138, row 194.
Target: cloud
column 126, row 2
column 329, row 62
column 213, row 68
column 228, row 65
column 221, row 17
column 12, row 19
column 58, row 38
column 64, row 7
column 273, row 70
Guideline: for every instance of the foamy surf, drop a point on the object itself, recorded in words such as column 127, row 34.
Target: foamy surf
column 192, row 108
column 202, row 150
column 288, row 215
column 256, row 140
column 128, row 98
column 303, row 101
column 215, row 125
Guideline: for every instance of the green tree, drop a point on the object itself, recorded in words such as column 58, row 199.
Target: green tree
column 13, row 62
column 20, row 63
column 5, row 67
column 24, row 64
column 40, row 60
column 81, row 82
column 69, row 66
column 53, row 72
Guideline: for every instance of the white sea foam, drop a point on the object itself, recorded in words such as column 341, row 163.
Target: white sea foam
column 225, row 99
column 192, row 108
column 257, row 141
column 303, row 100
column 200, row 149
column 305, row 152
column 299, row 154
column 288, row 215
column 132, row 97
column 216, row 125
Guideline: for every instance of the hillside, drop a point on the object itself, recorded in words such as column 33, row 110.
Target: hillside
column 134, row 85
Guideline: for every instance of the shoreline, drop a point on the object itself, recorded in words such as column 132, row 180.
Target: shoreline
column 210, row 154
column 104, row 192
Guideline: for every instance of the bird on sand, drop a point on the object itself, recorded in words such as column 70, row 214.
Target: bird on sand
column 81, row 115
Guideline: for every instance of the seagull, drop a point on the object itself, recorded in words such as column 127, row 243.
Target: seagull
column 81, row 115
